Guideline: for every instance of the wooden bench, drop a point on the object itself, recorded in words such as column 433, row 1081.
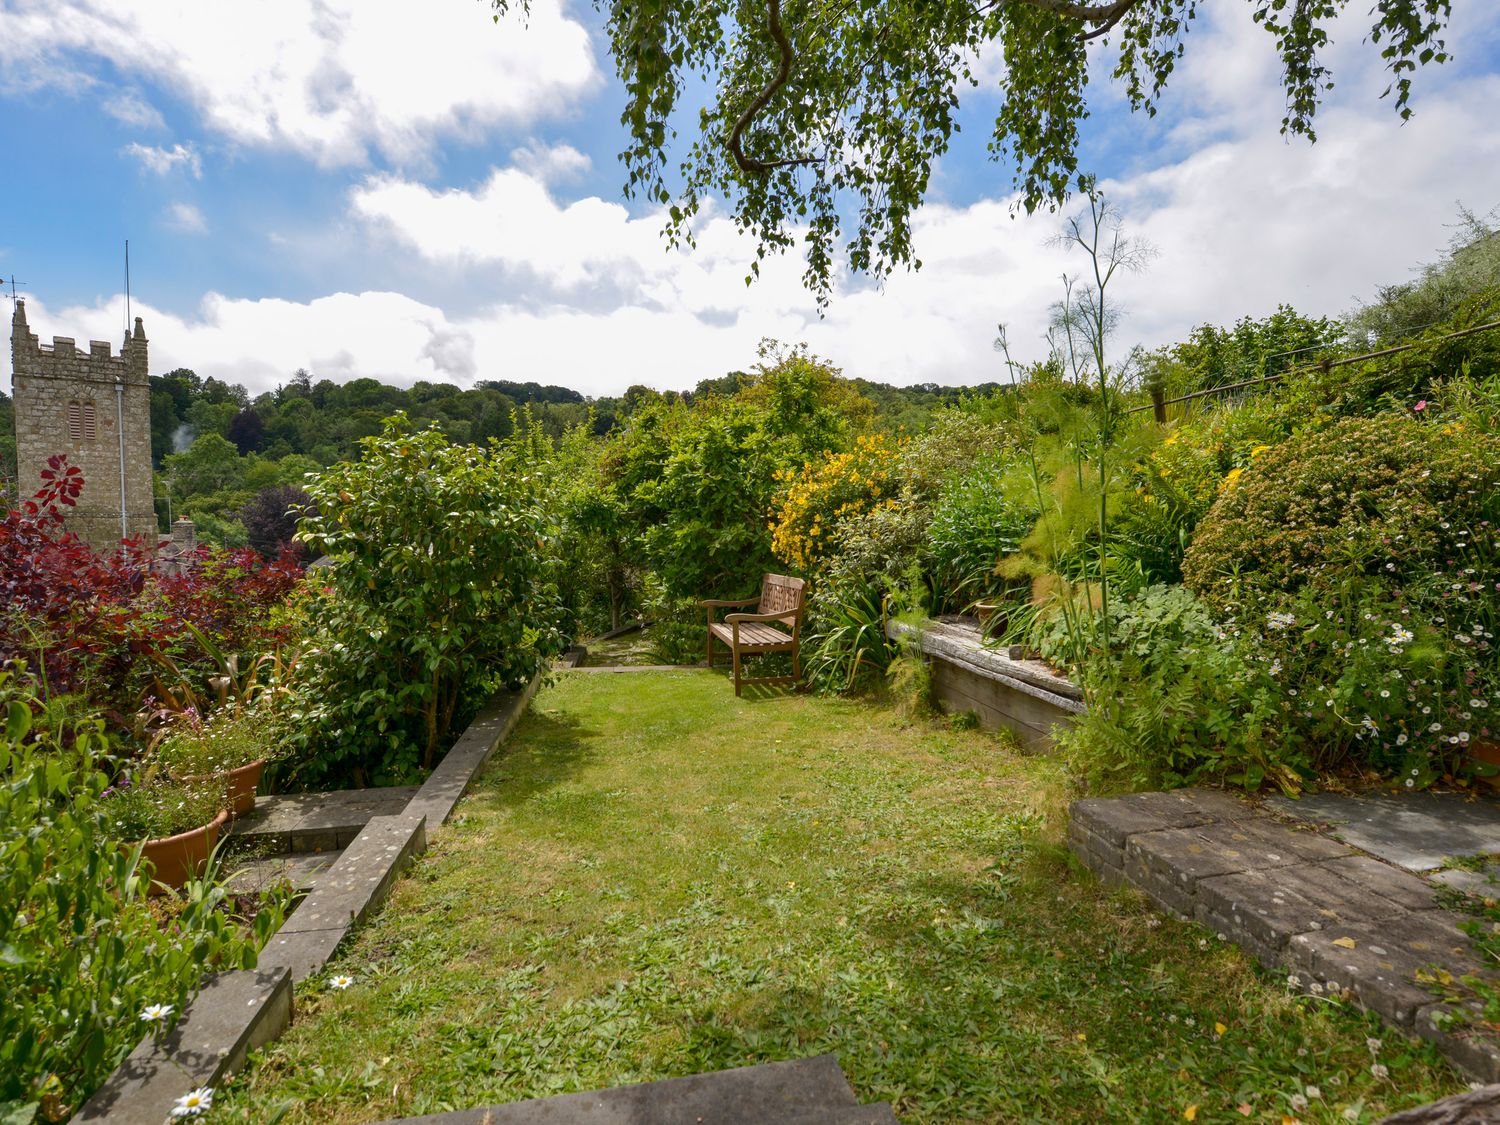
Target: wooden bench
column 780, row 603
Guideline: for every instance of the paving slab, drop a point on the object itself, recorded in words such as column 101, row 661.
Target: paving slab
column 1185, row 855
column 1380, row 963
column 1401, row 887
column 1273, row 906
column 1417, row 831
column 315, row 822
column 299, row 871
column 1115, row 818
column 771, row 1092
column 1337, row 921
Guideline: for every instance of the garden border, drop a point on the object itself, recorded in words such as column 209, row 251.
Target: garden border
column 237, row 1012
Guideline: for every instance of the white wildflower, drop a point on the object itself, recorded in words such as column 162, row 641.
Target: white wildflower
column 194, row 1102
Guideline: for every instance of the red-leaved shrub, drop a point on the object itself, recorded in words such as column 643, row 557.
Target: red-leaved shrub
column 102, row 624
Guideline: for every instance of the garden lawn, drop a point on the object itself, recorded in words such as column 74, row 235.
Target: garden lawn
column 654, row 878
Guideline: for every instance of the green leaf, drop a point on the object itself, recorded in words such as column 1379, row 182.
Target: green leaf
column 17, row 721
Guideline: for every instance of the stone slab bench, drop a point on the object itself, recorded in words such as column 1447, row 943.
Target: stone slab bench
column 1024, row 697
column 799, row 1092
column 1336, row 921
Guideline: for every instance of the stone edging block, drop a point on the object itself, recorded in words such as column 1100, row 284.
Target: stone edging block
column 346, row 894
column 235, row 1013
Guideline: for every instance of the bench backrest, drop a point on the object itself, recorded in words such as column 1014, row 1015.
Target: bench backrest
column 783, row 595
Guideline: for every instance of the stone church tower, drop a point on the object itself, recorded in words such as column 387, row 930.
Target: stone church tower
column 96, row 408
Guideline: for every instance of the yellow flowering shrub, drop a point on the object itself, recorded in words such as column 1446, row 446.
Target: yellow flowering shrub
column 823, row 494
column 1205, row 457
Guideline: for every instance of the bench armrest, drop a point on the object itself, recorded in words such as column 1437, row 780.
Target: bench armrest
column 757, row 618
column 716, row 603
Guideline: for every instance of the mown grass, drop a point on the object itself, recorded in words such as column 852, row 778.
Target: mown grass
column 657, row 879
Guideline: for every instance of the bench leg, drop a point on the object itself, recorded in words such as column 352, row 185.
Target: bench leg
column 797, row 662
column 736, row 671
column 710, row 650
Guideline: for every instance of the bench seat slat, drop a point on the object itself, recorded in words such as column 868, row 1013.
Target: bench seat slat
column 752, row 635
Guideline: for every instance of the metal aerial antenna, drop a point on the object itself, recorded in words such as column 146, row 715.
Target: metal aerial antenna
column 120, row 405
column 13, row 283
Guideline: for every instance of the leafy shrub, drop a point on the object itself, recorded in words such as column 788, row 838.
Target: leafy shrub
column 976, row 521
column 1176, row 484
column 1173, row 700
column 697, row 486
column 600, row 576
column 849, row 642
column 877, row 554
column 1397, row 683
column 1252, row 349
column 62, row 605
column 83, row 952
column 1349, row 572
column 957, row 439
column 824, row 493
column 270, row 518
column 1386, row 498
column 441, row 589
column 697, row 482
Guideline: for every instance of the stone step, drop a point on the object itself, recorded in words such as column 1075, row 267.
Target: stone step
column 804, row 1091
column 301, row 870
column 314, row 822
column 876, row 1113
column 1336, row 923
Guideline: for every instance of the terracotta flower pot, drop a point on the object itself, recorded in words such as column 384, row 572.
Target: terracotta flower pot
column 239, row 784
column 176, row 859
column 1486, row 752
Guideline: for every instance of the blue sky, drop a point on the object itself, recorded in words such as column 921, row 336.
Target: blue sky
column 410, row 191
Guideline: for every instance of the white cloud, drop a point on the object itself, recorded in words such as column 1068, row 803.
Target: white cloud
column 163, row 160
column 1241, row 225
column 328, row 78
column 185, row 217
column 551, row 163
column 261, row 342
column 130, row 108
column 513, row 220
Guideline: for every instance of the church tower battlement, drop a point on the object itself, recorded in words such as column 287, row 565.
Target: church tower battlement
column 96, row 408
